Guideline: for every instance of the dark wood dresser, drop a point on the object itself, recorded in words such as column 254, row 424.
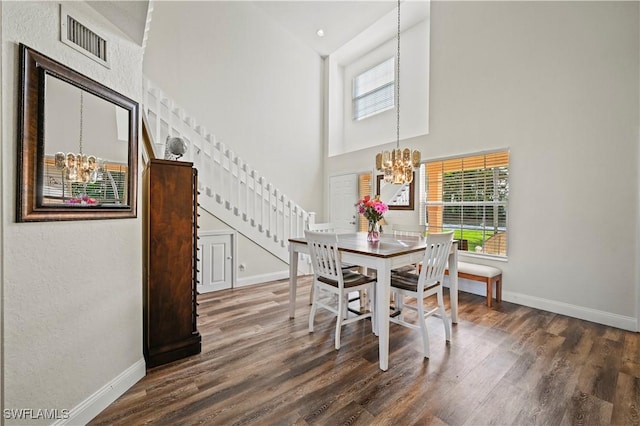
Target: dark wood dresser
column 170, row 275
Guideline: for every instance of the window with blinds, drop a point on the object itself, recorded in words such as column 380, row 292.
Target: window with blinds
column 469, row 195
column 374, row 90
column 109, row 189
column 364, row 189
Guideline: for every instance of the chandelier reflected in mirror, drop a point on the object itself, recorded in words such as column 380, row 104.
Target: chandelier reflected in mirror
column 397, row 165
column 78, row 167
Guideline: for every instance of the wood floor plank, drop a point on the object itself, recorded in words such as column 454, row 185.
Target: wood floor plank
column 631, row 354
column 587, row 409
column 460, row 404
column 506, row 365
column 626, row 405
column 600, row 372
column 556, row 387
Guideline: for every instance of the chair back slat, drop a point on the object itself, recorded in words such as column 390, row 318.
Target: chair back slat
column 325, row 257
column 408, row 229
column 322, row 227
column 435, row 258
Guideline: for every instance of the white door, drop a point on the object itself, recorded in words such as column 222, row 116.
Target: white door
column 343, row 195
column 215, row 262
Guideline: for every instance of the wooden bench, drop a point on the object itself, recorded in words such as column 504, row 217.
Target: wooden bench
column 485, row 274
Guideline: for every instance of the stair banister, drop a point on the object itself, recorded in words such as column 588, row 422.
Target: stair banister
column 230, row 188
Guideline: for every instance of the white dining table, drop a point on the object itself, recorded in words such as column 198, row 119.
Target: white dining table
column 389, row 253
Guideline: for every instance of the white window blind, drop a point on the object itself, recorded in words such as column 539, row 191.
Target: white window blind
column 374, row 90
column 110, row 188
column 469, row 195
column 364, row 189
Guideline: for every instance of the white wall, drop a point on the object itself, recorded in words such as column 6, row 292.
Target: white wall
column 250, row 82
column 260, row 265
column 72, row 291
column 557, row 83
column 256, row 88
column 2, row 215
column 414, row 94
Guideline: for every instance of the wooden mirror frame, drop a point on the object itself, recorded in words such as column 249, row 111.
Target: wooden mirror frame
column 412, row 193
column 34, row 67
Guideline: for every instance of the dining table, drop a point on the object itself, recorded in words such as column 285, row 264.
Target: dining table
column 390, row 252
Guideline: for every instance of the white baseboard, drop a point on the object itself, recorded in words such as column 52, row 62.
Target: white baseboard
column 84, row 412
column 575, row 311
column 260, row 279
column 588, row 314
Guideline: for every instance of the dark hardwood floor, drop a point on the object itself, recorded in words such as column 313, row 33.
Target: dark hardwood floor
column 510, row 365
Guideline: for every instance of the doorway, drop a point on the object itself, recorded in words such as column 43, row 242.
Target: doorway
column 344, row 192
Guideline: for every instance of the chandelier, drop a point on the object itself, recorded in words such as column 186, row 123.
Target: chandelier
column 78, row 167
column 397, row 166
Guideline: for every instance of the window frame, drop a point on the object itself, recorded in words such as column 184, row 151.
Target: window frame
column 356, row 98
column 425, row 203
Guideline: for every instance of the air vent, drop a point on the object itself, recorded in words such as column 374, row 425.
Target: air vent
column 80, row 37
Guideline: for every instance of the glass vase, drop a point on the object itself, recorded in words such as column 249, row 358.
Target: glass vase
column 373, row 232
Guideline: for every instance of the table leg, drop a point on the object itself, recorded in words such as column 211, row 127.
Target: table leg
column 293, row 280
column 453, row 289
column 382, row 313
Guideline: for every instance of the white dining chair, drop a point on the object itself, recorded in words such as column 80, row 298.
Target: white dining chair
column 322, row 227
column 330, row 228
column 399, row 229
column 414, row 230
column 329, row 277
column 420, row 286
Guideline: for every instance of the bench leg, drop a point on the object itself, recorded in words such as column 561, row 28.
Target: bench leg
column 498, row 281
column 489, row 292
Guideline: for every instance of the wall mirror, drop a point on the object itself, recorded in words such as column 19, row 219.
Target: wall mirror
column 78, row 145
column 397, row 197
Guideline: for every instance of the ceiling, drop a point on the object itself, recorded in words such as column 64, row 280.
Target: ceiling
column 372, row 21
column 341, row 21
column 129, row 16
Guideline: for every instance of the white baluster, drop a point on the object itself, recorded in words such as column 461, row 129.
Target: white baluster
column 260, row 199
column 235, row 185
column 276, row 215
column 253, row 194
column 158, row 126
column 226, row 178
column 247, row 204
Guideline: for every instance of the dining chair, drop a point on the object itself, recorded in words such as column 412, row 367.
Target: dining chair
column 412, row 230
column 330, row 228
column 329, row 277
column 420, row 286
column 399, row 229
column 322, row 227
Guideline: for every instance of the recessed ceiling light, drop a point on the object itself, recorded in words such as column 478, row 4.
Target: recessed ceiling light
column 320, row 32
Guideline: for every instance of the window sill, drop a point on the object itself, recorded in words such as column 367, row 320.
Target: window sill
column 479, row 256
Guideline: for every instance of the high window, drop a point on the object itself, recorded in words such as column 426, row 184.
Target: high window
column 469, row 195
column 373, row 90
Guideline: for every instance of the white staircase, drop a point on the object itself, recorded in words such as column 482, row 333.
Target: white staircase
column 230, row 189
column 401, row 195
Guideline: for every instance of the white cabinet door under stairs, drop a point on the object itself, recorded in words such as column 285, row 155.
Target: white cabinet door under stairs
column 216, row 263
